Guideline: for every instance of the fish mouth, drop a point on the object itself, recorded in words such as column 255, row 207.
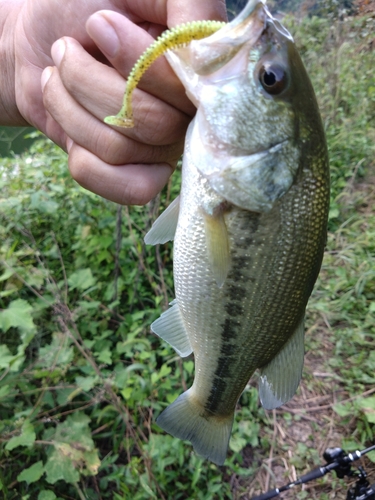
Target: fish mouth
column 210, row 54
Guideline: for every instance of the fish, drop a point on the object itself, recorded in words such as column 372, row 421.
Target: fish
column 249, row 226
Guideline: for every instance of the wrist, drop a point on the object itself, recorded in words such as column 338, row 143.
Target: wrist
column 9, row 113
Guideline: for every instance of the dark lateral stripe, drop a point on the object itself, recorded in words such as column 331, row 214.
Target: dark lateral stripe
column 225, row 363
column 235, row 294
column 234, row 309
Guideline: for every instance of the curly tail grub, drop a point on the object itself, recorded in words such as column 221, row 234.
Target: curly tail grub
column 170, row 39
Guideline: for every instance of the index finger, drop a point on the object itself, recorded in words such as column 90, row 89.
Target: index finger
column 172, row 12
column 131, row 42
column 181, row 11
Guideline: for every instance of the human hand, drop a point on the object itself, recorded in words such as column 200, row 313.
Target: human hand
column 126, row 166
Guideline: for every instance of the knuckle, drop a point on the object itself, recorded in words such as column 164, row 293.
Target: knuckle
column 159, row 123
column 78, row 168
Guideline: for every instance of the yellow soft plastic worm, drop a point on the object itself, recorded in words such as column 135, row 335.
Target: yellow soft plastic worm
column 171, row 39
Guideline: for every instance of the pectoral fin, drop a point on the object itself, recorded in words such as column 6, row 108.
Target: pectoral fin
column 217, row 246
column 280, row 378
column 164, row 228
column 170, row 327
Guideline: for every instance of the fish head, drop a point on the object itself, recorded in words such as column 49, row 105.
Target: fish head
column 256, row 110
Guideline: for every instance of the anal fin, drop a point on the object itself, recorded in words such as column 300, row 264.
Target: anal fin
column 170, row 327
column 279, row 379
column 164, row 228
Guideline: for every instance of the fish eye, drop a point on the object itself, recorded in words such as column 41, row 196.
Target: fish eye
column 273, row 78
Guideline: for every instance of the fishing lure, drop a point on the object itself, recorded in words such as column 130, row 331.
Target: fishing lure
column 171, row 39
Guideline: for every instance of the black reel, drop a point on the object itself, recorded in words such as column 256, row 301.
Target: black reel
column 361, row 490
column 341, row 462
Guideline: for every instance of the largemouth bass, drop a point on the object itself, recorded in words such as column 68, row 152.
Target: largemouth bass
column 250, row 224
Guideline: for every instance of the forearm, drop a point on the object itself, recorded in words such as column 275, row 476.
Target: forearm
column 9, row 113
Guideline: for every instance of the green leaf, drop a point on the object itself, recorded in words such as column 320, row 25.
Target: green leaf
column 367, row 405
column 333, row 213
column 105, row 356
column 6, row 357
column 18, row 315
column 64, row 395
column 342, row 409
column 144, row 483
column 6, row 274
column 43, row 203
column 32, row 474
column 82, row 279
column 47, row 495
column 74, row 451
column 4, row 390
column 88, row 305
column 165, row 370
column 106, row 241
column 86, row 383
column 60, row 466
column 75, row 428
column 57, row 353
column 126, row 393
column 26, row 438
column 237, row 443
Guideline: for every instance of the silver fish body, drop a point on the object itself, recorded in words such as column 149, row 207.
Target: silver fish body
column 251, row 224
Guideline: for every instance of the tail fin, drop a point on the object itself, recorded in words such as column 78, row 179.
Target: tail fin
column 185, row 419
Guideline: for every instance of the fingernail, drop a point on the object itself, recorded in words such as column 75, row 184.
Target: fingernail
column 58, row 51
column 46, row 75
column 103, row 34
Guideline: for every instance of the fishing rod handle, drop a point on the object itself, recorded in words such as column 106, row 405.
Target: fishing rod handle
column 310, row 476
column 269, row 494
column 313, row 474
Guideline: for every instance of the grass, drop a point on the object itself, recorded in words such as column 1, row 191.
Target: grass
column 81, row 376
